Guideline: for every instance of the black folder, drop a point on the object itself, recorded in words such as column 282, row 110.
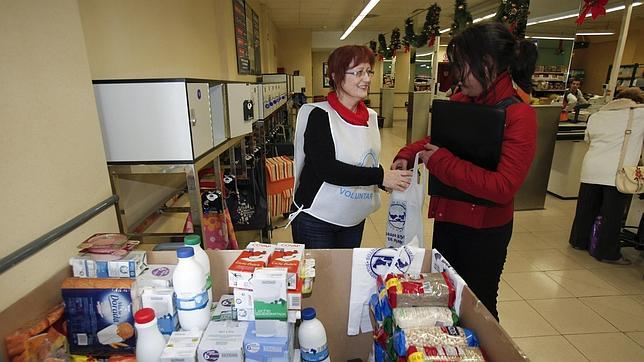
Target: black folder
column 473, row 132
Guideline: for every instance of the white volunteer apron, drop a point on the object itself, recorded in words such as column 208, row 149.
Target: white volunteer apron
column 355, row 145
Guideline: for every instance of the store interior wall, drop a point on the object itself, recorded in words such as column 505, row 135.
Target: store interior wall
column 53, row 163
column 294, row 52
column 595, row 59
column 318, row 58
column 401, row 89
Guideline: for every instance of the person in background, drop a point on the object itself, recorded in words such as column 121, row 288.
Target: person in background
column 337, row 153
column 573, row 95
column 490, row 66
column 598, row 195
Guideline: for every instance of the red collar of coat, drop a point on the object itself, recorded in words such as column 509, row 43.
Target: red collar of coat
column 501, row 88
column 359, row 118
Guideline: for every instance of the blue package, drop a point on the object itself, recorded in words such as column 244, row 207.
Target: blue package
column 472, row 341
column 400, row 345
column 379, row 353
column 375, row 308
column 100, row 319
column 266, row 349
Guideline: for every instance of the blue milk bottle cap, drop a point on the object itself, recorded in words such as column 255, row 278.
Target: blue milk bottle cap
column 185, row 252
column 308, row 314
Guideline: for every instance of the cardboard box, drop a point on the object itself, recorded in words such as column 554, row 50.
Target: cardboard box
column 240, row 272
column 100, row 315
column 156, row 275
column 182, row 347
column 129, row 266
column 162, row 301
column 223, row 342
column 225, row 309
column 269, row 293
column 294, row 297
column 260, row 349
column 289, row 256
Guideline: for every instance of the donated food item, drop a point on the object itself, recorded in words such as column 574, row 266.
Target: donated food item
column 244, row 304
column 307, row 273
column 433, row 336
column 312, row 337
column 156, row 275
column 421, row 290
column 444, row 354
column 289, row 256
column 165, row 310
column 240, row 272
column 128, row 265
column 99, row 315
column 107, row 246
column 415, row 317
column 269, row 293
column 41, row 339
column 225, row 309
column 261, row 349
column 191, row 295
column 223, row 342
column 150, row 343
column 182, row 347
column 194, row 241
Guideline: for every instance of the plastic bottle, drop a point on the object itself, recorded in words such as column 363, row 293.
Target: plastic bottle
column 189, row 281
column 312, row 337
column 202, row 259
column 149, row 340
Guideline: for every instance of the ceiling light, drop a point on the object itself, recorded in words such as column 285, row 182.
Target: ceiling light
column 445, row 30
column 425, row 54
column 362, row 15
column 620, row 7
column 596, row 33
column 574, row 14
column 483, row 18
column 549, row 37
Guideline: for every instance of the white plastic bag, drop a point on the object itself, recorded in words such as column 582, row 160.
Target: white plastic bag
column 405, row 216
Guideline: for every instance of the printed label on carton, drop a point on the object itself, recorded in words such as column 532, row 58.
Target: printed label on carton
column 240, row 272
column 156, row 275
column 288, row 256
column 161, row 300
column 225, row 309
column 223, row 342
column 130, row 266
column 182, row 347
column 244, row 304
column 259, row 349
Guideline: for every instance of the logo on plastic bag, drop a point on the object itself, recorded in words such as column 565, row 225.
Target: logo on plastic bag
column 379, row 261
column 397, row 215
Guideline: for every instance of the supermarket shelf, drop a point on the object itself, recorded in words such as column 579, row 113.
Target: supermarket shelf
column 548, row 80
column 168, row 223
column 549, row 72
column 548, row 90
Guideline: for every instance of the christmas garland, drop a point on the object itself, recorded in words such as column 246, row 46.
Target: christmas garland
column 430, row 31
column 462, row 17
column 388, row 51
column 373, row 46
column 515, row 14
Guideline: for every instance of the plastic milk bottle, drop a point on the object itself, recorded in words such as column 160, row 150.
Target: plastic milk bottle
column 312, row 337
column 191, row 296
column 149, row 340
column 201, row 257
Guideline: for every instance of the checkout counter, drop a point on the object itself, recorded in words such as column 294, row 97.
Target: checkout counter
column 570, row 149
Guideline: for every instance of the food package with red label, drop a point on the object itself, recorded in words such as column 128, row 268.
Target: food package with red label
column 289, row 256
column 240, row 272
column 422, row 290
column 444, row 354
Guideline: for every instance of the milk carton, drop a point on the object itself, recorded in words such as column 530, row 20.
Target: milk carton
column 244, row 304
column 129, row 266
column 269, row 293
column 182, row 347
column 289, row 256
column 262, row 349
column 156, row 275
column 223, row 342
column 240, row 272
column 162, row 301
column 225, row 309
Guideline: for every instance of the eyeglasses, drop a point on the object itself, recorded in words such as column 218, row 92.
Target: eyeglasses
column 360, row 73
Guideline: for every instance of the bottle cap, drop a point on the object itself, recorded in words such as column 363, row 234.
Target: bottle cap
column 185, row 252
column 308, row 314
column 192, row 239
column 144, row 315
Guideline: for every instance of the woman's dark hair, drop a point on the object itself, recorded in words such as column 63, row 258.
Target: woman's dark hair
column 489, row 49
column 342, row 57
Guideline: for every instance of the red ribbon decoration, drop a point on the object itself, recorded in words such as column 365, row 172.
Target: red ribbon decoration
column 596, row 7
column 432, row 40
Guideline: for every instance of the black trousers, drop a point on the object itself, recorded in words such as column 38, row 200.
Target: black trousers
column 477, row 255
column 610, row 204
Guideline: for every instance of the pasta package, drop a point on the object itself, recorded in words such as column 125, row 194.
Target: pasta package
column 418, row 317
column 421, row 290
column 444, row 354
column 434, row 336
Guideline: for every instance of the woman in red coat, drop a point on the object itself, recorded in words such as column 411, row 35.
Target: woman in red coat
column 490, row 66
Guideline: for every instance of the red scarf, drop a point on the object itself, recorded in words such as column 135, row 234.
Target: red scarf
column 359, row 118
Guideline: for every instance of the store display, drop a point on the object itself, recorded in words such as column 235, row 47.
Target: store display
column 149, row 340
column 422, row 290
column 161, row 300
column 100, row 315
column 222, row 341
column 201, row 258
column 182, row 347
column 312, row 338
column 190, row 284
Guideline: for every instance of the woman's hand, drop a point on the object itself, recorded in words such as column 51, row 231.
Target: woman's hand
column 397, row 180
column 429, row 150
column 399, row 164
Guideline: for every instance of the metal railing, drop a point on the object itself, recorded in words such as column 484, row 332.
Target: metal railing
column 47, row 239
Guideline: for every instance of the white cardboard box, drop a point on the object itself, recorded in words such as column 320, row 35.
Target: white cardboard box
column 222, row 342
column 182, row 347
column 156, row 275
column 269, row 294
column 130, row 266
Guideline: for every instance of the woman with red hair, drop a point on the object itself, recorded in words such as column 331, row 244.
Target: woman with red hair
column 337, row 153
